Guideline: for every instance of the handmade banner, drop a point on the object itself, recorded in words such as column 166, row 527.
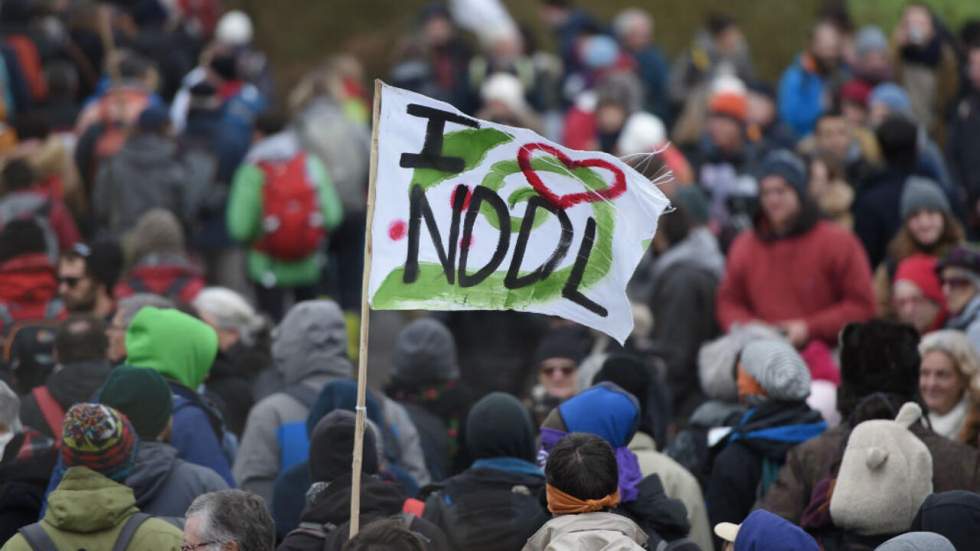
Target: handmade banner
column 472, row 215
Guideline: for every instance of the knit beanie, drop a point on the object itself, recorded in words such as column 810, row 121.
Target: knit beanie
column 568, row 342
column 920, row 269
column 21, row 237
column 332, row 447
column 778, row 368
column 153, row 119
column 923, row 194
column 729, row 104
column 954, row 514
column 884, row 477
column 877, row 356
column 642, row 133
column 100, row 438
column 425, row 353
column 870, row 39
column 599, row 51
column 893, row 96
column 158, row 231
column 788, row 165
column 918, row 541
column 963, row 256
column 716, row 359
column 855, row 91
column 143, row 396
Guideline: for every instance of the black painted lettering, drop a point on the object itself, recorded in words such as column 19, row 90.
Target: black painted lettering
column 570, row 290
column 480, row 195
column 431, row 154
column 515, row 281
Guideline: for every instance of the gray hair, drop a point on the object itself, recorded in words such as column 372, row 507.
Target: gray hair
column 625, row 20
column 956, row 345
column 130, row 306
column 231, row 312
column 235, row 516
column 9, row 409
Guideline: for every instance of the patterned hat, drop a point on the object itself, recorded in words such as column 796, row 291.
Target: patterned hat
column 100, row 438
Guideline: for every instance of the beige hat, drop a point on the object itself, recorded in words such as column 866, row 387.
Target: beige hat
column 727, row 531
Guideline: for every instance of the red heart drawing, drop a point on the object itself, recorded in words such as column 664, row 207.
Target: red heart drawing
column 569, row 199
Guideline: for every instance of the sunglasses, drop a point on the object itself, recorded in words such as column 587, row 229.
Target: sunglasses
column 70, row 281
column 550, row 371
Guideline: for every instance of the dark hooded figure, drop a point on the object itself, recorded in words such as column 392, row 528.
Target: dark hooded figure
column 954, row 514
column 326, row 520
column 498, row 502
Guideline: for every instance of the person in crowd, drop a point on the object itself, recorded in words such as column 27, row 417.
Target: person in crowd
column 959, row 271
column 873, row 63
column 596, row 121
column 425, row 381
column 850, row 150
column 853, row 99
column 123, row 318
column 764, row 126
column 91, row 508
column 952, row 515
column 557, row 358
column 582, row 490
column 876, row 357
column 285, row 235
column 773, row 380
column 811, row 79
column 26, row 461
column 926, row 65
column 805, row 276
column 929, row 228
column 22, row 197
column 682, row 284
column 159, row 262
column 607, row 411
column 243, row 370
column 479, row 509
column 198, row 432
column 643, row 145
column 236, row 520
column 568, row 24
column 882, row 482
column 917, row 541
column 634, row 28
column 964, row 130
column 148, row 173
column 309, row 351
column 163, row 484
column 917, row 294
column 503, row 102
column 80, row 347
column 386, row 535
column 832, row 194
column 950, row 368
column 632, row 376
column 30, row 288
column 87, row 276
column 325, row 522
column 764, row 531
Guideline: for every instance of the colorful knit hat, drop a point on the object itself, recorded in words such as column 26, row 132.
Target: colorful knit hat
column 100, row 438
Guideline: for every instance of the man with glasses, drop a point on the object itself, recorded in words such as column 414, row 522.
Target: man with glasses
column 229, row 520
column 86, row 276
column 960, row 275
column 557, row 359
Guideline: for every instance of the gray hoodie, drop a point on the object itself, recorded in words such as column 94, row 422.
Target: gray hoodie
column 917, row 541
column 588, row 532
column 310, row 349
column 165, row 486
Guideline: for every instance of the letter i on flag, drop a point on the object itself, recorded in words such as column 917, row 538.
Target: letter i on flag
column 473, row 215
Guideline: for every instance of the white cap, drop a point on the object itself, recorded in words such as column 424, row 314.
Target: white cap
column 234, row 29
column 727, row 531
column 642, row 133
column 505, row 88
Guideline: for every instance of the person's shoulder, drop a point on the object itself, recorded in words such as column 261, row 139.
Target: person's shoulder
column 157, row 534
column 198, row 476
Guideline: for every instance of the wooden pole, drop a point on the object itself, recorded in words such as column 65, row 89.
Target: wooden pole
column 362, row 355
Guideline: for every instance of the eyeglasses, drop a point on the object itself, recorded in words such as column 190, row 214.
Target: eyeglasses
column 550, row 371
column 957, row 282
column 70, row 281
column 193, row 546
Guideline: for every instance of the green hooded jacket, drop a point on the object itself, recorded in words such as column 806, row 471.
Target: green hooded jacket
column 87, row 511
column 178, row 346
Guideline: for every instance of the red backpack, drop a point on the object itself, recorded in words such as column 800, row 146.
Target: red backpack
column 292, row 222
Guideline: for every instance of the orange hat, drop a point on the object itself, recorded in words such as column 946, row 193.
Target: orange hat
column 730, row 104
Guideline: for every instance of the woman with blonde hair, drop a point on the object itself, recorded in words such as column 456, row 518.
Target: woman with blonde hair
column 949, row 379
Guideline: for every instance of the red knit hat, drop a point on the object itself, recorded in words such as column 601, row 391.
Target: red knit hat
column 731, row 104
column 855, row 91
column 920, row 269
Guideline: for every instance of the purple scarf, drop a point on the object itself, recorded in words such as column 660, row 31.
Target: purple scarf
column 629, row 466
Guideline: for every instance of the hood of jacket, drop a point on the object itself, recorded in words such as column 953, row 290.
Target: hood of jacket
column 173, row 343
column 86, row 502
column 699, row 248
column 154, row 463
column 278, row 147
column 312, row 340
column 378, row 499
column 28, row 279
column 146, row 150
column 654, row 511
column 499, row 426
column 78, row 382
column 587, row 532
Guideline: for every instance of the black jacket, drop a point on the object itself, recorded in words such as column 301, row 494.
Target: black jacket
column 661, row 517
column 231, row 381
column 877, row 212
column 331, row 509
column 72, row 384
column 23, row 481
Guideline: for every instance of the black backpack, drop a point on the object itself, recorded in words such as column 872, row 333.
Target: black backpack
column 39, row 540
column 335, row 536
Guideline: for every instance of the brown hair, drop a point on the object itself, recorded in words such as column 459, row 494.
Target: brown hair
column 904, row 244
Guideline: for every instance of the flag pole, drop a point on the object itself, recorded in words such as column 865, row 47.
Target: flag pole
column 362, row 355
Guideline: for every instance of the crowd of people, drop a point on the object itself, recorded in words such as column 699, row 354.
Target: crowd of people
column 181, row 253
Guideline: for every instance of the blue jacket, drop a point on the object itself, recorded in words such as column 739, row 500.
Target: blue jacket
column 800, row 97
column 194, row 437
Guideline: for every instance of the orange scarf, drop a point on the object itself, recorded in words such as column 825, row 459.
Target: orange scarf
column 560, row 503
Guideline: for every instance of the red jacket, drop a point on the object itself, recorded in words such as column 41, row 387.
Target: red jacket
column 821, row 277
column 28, row 289
column 180, row 283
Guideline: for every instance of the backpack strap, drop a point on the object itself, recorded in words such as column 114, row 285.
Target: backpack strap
column 129, row 530
column 413, row 507
column 137, row 285
column 52, row 309
column 176, row 286
column 51, row 410
column 37, row 538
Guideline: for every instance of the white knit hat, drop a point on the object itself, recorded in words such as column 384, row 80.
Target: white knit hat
column 642, row 133
column 505, row 88
column 884, row 477
column 234, row 28
column 778, row 368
